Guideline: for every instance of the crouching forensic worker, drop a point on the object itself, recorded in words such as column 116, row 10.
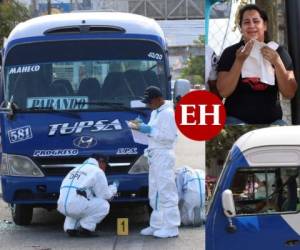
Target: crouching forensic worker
column 83, row 197
column 163, row 196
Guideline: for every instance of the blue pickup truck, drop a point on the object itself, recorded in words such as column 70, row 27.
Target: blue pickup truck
column 256, row 203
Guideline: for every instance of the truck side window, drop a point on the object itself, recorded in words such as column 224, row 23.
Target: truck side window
column 266, row 190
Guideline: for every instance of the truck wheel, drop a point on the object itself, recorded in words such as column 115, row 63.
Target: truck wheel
column 21, row 214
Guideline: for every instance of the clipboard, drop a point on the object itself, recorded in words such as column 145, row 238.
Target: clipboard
column 138, row 136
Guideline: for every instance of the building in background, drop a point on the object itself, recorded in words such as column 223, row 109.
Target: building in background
column 181, row 20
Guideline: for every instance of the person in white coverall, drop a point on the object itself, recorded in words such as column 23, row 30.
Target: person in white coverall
column 163, row 196
column 83, row 197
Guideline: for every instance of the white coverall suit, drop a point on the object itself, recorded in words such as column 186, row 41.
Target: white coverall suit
column 191, row 191
column 160, row 153
column 81, row 211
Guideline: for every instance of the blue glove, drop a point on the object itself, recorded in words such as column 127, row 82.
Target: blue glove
column 144, row 128
column 138, row 119
column 116, row 183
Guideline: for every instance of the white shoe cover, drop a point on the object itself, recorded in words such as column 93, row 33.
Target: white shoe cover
column 147, row 231
column 166, row 232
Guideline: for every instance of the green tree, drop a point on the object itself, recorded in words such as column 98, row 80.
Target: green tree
column 11, row 13
column 218, row 148
column 194, row 70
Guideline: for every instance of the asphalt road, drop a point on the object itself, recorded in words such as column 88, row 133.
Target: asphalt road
column 45, row 232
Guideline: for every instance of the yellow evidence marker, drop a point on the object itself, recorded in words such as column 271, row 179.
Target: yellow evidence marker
column 122, row 226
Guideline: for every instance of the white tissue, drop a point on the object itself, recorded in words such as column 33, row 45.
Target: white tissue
column 257, row 66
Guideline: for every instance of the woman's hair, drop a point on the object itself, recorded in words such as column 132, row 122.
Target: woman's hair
column 261, row 12
column 247, row 7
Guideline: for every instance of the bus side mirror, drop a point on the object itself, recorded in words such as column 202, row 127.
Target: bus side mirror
column 181, row 87
column 229, row 209
column 228, row 203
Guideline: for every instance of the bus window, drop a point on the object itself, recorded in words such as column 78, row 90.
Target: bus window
column 266, row 190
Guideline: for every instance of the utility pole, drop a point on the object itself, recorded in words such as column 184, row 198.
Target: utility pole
column 293, row 22
column 76, row 5
column 271, row 8
column 277, row 30
column 49, row 7
column 33, row 8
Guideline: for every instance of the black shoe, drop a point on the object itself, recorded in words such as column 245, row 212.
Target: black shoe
column 72, row 232
column 86, row 233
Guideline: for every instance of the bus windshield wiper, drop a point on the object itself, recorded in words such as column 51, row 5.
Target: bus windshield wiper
column 115, row 105
column 51, row 109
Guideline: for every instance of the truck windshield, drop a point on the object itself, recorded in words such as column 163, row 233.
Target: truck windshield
column 79, row 75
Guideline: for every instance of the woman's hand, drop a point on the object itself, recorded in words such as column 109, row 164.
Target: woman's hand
column 243, row 52
column 286, row 81
column 271, row 55
column 228, row 80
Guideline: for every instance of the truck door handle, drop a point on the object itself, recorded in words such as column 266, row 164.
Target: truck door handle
column 292, row 243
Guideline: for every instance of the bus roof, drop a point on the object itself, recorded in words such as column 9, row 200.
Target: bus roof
column 271, row 136
column 131, row 23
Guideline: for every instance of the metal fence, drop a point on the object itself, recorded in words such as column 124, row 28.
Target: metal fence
column 157, row 9
column 221, row 32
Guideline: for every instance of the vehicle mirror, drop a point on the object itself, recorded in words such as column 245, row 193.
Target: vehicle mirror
column 228, row 203
column 181, row 87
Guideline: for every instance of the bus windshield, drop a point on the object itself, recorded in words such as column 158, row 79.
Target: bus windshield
column 81, row 75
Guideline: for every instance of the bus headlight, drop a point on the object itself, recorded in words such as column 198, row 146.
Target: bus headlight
column 17, row 165
column 141, row 166
column 3, row 167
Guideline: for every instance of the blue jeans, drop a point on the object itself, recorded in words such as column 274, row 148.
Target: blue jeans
column 231, row 120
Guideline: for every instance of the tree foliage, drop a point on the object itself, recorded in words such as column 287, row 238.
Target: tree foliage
column 194, row 70
column 218, row 148
column 11, row 13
